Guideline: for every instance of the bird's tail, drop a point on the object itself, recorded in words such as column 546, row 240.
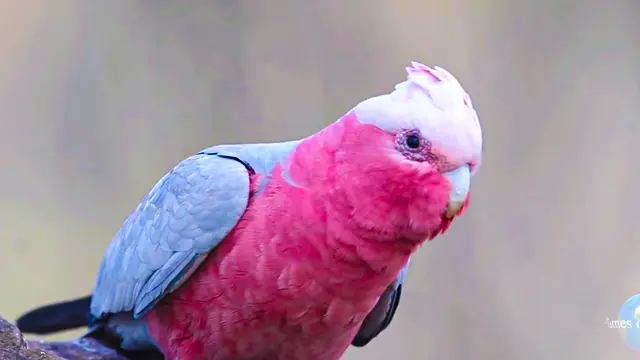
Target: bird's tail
column 52, row 318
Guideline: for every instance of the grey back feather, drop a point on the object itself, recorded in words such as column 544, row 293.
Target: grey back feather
column 262, row 156
column 184, row 216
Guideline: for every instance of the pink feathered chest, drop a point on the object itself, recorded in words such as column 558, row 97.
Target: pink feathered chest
column 266, row 315
column 279, row 287
column 263, row 297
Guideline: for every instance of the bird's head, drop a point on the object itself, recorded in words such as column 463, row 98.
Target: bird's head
column 405, row 159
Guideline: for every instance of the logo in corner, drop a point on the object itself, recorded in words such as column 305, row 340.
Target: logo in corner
column 629, row 321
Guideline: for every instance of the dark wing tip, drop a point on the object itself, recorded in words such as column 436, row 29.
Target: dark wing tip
column 364, row 338
column 393, row 308
column 56, row 317
column 361, row 341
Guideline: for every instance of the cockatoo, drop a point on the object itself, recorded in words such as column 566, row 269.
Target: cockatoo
column 290, row 250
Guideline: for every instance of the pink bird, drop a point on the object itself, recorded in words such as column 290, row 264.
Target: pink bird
column 286, row 251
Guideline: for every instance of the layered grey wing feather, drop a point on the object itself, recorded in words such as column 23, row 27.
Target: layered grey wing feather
column 186, row 214
column 382, row 313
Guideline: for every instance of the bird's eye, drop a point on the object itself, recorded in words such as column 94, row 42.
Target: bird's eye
column 413, row 141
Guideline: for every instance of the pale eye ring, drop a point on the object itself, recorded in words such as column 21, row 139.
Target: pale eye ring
column 413, row 145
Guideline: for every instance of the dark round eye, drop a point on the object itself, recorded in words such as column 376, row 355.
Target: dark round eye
column 413, row 141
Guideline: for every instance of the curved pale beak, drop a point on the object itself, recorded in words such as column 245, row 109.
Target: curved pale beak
column 460, row 179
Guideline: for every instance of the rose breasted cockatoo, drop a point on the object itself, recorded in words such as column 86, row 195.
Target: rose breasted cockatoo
column 291, row 250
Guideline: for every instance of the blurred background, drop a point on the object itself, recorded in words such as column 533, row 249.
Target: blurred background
column 98, row 99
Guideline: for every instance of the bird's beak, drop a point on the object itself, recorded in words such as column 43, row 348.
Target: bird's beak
column 460, row 179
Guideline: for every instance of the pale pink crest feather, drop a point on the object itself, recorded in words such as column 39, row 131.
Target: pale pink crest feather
column 432, row 100
column 443, row 88
column 420, row 68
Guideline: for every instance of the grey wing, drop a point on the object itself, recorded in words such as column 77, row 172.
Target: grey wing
column 186, row 214
column 382, row 313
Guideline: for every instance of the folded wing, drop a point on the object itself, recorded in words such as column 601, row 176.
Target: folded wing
column 186, row 214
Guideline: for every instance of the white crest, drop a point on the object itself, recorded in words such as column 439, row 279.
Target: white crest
column 434, row 102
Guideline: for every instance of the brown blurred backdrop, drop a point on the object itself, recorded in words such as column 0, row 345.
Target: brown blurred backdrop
column 98, row 99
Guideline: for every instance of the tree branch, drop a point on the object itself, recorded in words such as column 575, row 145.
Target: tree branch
column 13, row 345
